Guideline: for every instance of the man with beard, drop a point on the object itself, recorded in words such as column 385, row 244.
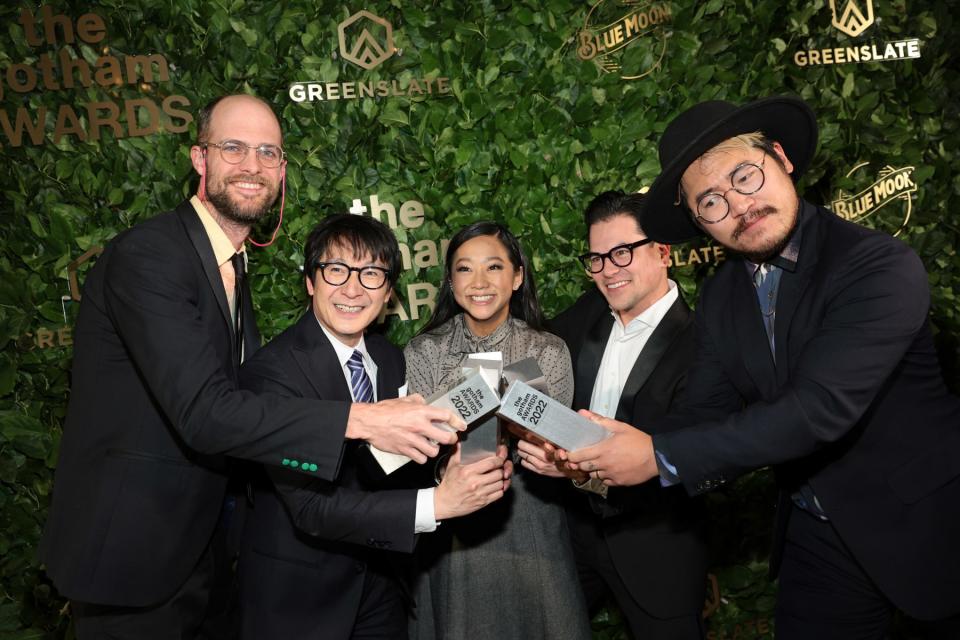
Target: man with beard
column 814, row 354
column 165, row 322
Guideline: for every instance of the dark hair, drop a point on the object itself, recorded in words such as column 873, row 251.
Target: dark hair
column 359, row 233
column 614, row 203
column 523, row 302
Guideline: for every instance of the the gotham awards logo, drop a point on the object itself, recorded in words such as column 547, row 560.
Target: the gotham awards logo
column 421, row 297
column 367, row 41
column 853, row 18
column 882, row 201
column 58, row 66
column 626, row 37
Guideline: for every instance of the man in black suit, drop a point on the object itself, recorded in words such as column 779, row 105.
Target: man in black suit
column 815, row 355
column 319, row 558
column 631, row 341
column 155, row 406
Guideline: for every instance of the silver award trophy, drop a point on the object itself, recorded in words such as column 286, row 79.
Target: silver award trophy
column 471, row 399
column 548, row 420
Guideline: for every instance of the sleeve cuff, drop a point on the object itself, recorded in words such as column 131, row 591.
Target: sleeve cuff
column 668, row 472
column 425, row 520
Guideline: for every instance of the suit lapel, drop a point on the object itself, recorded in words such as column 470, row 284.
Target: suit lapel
column 588, row 361
column 318, row 361
column 792, row 287
column 750, row 332
column 201, row 243
column 676, row 318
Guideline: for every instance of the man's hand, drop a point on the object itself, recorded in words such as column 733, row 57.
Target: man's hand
column 624, row 459
column 467, row 488
column 544, row 461
column 403, row 425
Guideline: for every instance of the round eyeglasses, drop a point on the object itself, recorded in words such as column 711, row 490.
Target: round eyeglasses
column 234, row 152
column 337, row 273
column 746, row 180
column 621, row 256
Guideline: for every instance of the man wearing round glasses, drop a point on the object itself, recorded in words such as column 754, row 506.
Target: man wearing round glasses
column 814, row 355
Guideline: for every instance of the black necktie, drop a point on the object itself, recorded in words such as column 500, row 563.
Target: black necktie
column 239, row 275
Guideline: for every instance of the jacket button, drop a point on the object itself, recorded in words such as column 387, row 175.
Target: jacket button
column 285, row 462
column 313, row 467
column 294, row 464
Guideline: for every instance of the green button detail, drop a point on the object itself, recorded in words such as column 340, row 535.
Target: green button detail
column 294, row 464
column 313, row 467
column 286, row 462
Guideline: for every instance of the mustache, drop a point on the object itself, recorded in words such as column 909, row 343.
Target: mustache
column 748, row 219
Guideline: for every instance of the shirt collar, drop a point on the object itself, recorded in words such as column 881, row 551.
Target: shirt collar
column 222, row 247
column 652, row 315
column 787, row 259
column 344, row 351
column 463, row 341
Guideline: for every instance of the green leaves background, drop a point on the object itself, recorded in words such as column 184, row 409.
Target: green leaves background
column 528, row 134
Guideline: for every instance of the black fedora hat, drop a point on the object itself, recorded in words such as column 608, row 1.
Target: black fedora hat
column 784, row 119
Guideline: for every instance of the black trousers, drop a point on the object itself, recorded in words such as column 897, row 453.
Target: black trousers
column 599, row 580
column 825, row 594
column 178, row 618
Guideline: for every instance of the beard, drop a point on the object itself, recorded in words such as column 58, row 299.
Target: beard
column 774, row 246
column 241, row 211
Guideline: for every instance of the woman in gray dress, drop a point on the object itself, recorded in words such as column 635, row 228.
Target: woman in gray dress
column 506, row 571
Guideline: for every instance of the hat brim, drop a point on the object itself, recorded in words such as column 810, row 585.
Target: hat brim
column 784, row 119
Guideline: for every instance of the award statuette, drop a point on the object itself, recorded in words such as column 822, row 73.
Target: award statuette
column 482, row 438
column 548, row 420
column 471, row 399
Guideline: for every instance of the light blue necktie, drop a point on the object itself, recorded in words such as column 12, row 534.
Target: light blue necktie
column 359, row 380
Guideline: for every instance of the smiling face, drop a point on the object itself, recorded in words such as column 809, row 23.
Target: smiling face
column 483, row 279
column 244, row 192
column 348, row 309
column 629, row 290
column 758, row 224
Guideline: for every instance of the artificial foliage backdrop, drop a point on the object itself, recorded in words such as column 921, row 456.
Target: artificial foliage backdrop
column 491, row 111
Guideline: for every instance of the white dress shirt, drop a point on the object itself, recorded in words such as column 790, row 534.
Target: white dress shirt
column 623, row 348
column 425, row 520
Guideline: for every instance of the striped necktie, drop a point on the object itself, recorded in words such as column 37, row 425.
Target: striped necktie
column 359, row 380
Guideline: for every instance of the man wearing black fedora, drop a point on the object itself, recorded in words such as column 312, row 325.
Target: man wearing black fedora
column 815, row 356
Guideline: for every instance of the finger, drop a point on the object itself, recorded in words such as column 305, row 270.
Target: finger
column 439, row 414
column 432, row 431
column 414, row 398
column 502, row 451
column 425, row 447
column 455, row 456
column 487, row 465
column 414, row 454
column 507, row 469
column 529, row 449
column 587, row 453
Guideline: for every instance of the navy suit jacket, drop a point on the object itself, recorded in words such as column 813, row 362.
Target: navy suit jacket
column 654, row 535
column 154, row 409
column 855, row 405
column 308, row 543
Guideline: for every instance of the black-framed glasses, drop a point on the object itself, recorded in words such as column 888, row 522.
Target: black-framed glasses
column 234, row 152
column 621, row 256
column 337, row 273
column 747, row 178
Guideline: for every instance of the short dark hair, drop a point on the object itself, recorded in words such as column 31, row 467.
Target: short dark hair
column 360, row 234
column 523, row 302
column 614, row 203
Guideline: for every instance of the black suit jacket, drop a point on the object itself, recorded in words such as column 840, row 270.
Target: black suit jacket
column 654, row 535
column 855, row 405
column 154, row 408
column 308, row 545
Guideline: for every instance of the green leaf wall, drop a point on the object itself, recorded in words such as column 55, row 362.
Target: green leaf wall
column 526, row 134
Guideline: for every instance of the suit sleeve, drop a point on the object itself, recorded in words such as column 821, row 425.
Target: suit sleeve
column 877, row 300
column 152, row 297
column 320, row 508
